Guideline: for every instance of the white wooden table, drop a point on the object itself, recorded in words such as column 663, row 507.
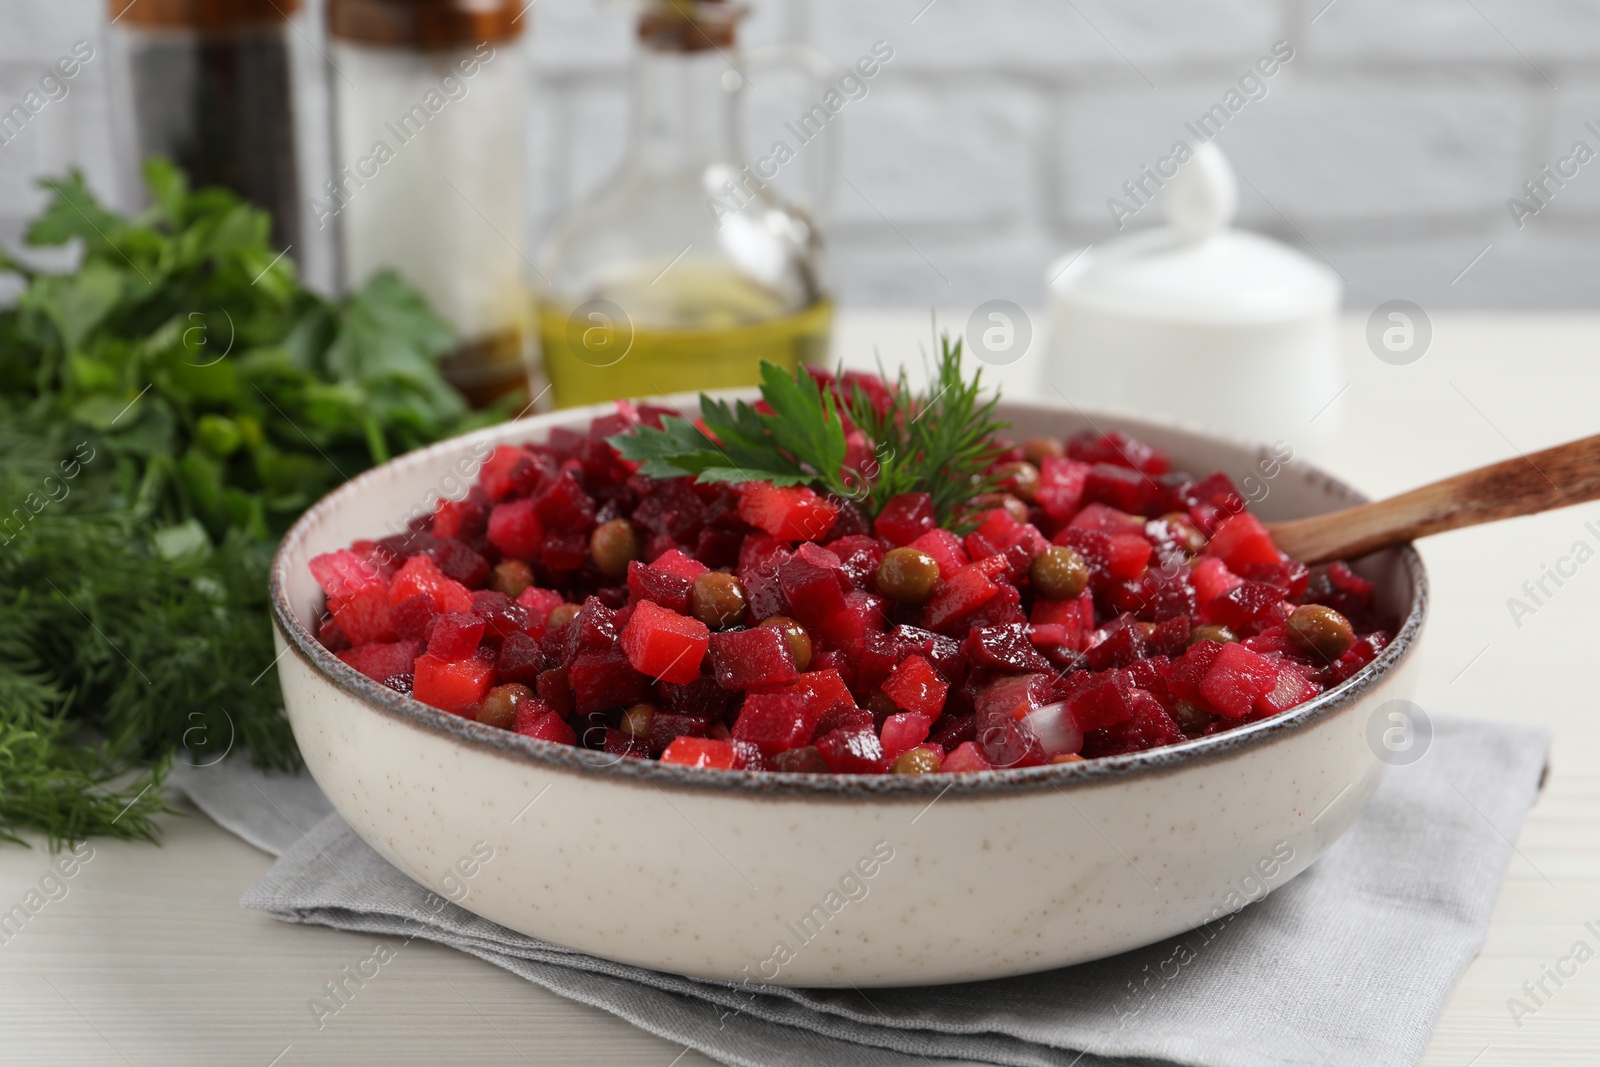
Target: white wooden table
column 148, row 959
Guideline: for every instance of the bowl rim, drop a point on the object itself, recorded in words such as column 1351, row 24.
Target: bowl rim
column 557, row 757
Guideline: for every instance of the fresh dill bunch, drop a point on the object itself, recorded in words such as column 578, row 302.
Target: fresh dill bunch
column 941, row 443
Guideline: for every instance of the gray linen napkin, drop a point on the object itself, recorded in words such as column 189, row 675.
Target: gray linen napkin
column 1348, row 965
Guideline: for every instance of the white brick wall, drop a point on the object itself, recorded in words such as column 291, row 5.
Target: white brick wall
column 993, row 139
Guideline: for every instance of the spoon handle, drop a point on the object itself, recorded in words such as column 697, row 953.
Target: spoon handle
column 1540, row 481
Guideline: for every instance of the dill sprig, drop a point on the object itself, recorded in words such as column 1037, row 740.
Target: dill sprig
column 941, row 444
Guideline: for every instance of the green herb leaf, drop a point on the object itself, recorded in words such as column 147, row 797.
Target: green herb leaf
column 941, row 445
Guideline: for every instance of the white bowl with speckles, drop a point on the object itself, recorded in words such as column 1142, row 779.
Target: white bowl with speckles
column 816, row 880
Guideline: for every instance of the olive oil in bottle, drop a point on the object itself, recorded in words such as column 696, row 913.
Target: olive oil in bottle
column 701, row 326
column 653, row 285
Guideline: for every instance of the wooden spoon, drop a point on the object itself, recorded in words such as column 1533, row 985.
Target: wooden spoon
column 1541, row 481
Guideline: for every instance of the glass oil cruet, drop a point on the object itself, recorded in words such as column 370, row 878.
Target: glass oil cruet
column 685, row 270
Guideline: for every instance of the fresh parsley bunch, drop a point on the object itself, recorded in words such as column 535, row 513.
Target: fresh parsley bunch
column 167, row 409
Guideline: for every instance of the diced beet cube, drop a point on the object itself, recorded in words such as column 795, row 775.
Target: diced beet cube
column 364, row 617
column 333, row 638
column 667, row 726
column 500, row 613
column 349, row 656
column 963, row 758
column 1348, row 581
column 676, row 563
column 555, row 688
column 993, row 535
column 699, row 752
column 1118, row 448
column 847, row 628
column 546, row 726
column 943, row 652
column 672, row 512
column 853, row 752
column 1291, row 688
column 412, row 615
column 1129, row 555
column 1106, row 699
column 528, row 712
column 1247, row 607
column 1277, row 639
column 562, row 506
column 594, row 629
column 564, row 550
column 760, row 554
column 521, row 660
column 1212, row 578
column 1077, row 616
column 539, row 604
column 957, row 598
column 822, row 688
column 702, row 697
column 462, row 520
column 499, row 476
column 1236, row 678
column 1005, row 648
column 775, row 721
column 717, row 548
column 460, row 563
column 846, row 717
column 903, row 732
column 905, row 518
column 951, row 730
column 1094, row 547
column 1148, row 727
column 515, row 529
column 859, row 559
column 1189, row 671
column 381, row 661
column 455, row 636
column 812, row 583
column 1000, row 733
column 1156, row 595
column 618, row 743
column 453, row 686
column 669, row 590
column 1061, row 485
column 945, row 549
column 421, row 576
column 1108, row 520
column 1124, row 489
column 791, row 513
column 1289, row 575
column 1170, row 637
column 665, row 645
column 1242, row 540
column 764, row 595
column 1118, row 646
column 915, row 686
column 605, row 679
column 744, row 659
column 343, row 574
column 747, row 757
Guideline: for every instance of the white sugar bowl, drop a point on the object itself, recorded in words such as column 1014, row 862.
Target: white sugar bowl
column 1198, row 321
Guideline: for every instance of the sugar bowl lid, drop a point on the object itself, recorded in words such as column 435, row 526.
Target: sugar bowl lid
column 1197, row 268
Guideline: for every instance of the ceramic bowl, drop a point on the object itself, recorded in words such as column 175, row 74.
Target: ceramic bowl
column 817, row 880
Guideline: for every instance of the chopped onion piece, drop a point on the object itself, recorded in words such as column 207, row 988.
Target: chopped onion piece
column 1055, row 728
